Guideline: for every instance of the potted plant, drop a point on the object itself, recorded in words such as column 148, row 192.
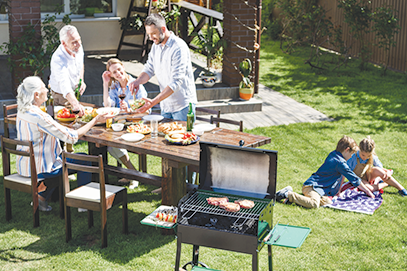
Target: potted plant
column 210, row 45
column 246, row 87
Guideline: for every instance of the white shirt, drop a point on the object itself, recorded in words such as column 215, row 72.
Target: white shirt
column 172, row 65
column 65, row 70
column 39, row 127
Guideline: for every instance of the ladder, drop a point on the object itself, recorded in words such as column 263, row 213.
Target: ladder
column 132, row 32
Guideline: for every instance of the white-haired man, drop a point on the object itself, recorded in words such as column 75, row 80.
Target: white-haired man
column 67, row 68
column 170, row 60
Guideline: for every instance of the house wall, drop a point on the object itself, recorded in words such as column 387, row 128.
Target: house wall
column 98, row 34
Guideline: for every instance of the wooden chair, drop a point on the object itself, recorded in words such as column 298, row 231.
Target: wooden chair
column 207, row 111
column 6, row 115
column 229, row 121
column 31, row 185
column 92, row 196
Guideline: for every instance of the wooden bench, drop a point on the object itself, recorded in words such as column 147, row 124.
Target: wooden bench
column 130, row 174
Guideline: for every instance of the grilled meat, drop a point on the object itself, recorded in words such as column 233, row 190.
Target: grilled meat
column 245, row 203
column 230, row 206
column 216, row 201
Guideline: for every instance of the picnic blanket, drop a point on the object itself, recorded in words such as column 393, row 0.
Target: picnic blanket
column 356, row 201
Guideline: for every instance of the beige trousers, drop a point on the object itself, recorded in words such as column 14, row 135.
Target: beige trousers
column 311, row 199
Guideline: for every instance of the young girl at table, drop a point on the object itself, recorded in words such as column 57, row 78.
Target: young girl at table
column 368, row 167
column 116, row 82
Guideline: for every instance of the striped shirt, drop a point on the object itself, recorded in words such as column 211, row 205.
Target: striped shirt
column 171, row 63
column 45, row 133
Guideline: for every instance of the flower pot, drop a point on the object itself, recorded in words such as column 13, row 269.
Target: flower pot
column 208, row 80
column 246, row 93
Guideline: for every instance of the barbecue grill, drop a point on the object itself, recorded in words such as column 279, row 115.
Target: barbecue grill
column 236, row 173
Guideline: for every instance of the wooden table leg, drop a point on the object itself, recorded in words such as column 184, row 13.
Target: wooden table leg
column 173, row 185
column 174, row 182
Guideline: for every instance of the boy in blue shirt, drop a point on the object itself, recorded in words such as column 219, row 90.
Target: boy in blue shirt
column 327, row 180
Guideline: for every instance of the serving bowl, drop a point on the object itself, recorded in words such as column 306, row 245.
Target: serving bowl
column 117, row 127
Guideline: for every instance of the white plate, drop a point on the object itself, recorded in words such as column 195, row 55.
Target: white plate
column 111, row 110
column 153, row 117
column 206, row 127
column 132, row 137
column 89, row 108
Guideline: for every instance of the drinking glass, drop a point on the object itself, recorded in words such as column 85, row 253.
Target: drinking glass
column 154, row 128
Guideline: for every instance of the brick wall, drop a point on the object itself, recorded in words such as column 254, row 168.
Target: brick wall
column 236, row 32
column 21, row 13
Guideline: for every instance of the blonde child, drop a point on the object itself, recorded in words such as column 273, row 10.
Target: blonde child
column 368, row 167
column 326, row 182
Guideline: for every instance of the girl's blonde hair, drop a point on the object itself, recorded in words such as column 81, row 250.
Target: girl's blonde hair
column 367, row 145
column 111, row 62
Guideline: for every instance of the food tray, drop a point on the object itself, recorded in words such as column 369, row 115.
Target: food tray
column 64, row 119
column 181, row 143
column 151, row 220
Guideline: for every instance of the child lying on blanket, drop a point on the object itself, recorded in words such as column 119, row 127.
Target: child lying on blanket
column 368, row 167
column 326, row 182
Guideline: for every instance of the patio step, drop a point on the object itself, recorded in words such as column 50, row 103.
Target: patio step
column 227, row 106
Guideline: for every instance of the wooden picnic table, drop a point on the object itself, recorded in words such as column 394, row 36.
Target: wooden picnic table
column 175, row 158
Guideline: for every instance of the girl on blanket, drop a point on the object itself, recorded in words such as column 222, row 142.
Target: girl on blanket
column 368, row 167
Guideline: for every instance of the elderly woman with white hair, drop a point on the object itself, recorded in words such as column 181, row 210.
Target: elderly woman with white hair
column 37, row 126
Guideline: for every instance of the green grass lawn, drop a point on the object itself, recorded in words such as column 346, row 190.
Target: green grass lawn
column 362, row 103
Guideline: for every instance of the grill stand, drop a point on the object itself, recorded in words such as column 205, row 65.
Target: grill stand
column 198, row 236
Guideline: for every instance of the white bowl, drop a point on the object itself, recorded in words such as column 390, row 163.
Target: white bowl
column 198, row 132
column 117, row 127
column 132, row 137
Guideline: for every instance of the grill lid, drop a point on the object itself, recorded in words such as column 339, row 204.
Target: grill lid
column 237, row 170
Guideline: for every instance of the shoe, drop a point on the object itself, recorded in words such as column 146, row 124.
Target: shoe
column 82, row 210
column 133, row 184
column 72, row 177
column 157, row 191
column 43, row 206
column 403, row 192
column 287, row 201
column 124, row 181
column 283, row 193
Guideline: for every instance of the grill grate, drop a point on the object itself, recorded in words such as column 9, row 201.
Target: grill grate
column 197, row 203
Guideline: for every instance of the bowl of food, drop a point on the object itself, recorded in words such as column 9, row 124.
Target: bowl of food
column 198, row 131
column 117, row 127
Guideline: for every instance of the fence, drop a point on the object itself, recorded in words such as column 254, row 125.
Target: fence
column 398, row 54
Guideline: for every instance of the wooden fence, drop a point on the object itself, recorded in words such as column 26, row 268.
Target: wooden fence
column 398, row 54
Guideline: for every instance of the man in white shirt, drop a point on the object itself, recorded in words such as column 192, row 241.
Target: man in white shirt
column 170, row 60
column 67, row 68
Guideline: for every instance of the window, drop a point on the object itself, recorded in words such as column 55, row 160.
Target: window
column 80, row 8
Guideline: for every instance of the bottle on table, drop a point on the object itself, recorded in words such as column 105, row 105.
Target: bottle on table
column 78, row 90
column 50, row 103
column 190, row 118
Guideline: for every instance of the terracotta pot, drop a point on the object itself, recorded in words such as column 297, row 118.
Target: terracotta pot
column 246, row 93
